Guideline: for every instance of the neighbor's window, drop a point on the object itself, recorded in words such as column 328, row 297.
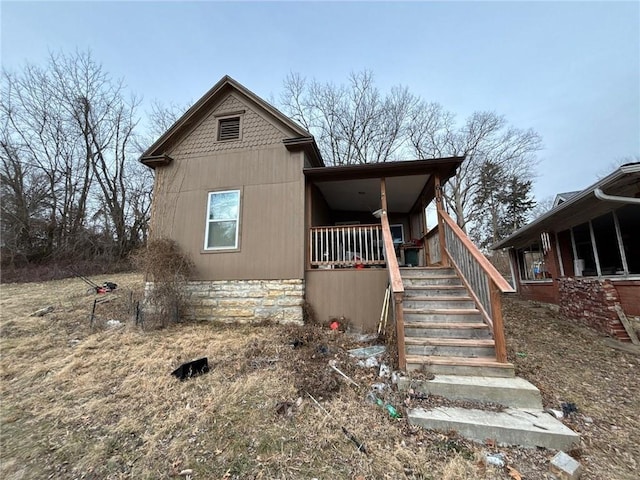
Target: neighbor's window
column 223, row 218
column 228, row 128
column 531, row 263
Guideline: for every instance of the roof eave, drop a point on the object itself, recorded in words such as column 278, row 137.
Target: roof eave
column 602, row 183
column 307, row 145
column 153, row 161
column 445, row 166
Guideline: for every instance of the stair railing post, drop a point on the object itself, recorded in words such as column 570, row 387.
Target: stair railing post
column 444, row 259
column 402, row 358
column 498, row 325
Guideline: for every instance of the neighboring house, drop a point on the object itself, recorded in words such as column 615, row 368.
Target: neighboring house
column 244, row 191
column 584, row 254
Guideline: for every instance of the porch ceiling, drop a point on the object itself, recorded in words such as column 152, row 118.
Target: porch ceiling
column 364, row 194
column 357, row 187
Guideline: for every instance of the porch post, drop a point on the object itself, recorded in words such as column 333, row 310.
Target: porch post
column 444, row 258
column 307, row 227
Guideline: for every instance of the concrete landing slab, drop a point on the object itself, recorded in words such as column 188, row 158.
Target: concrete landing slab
column 528, row 428
column 513, row 392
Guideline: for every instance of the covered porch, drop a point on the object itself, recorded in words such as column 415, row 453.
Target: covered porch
column 367, row 224
column 347, row 206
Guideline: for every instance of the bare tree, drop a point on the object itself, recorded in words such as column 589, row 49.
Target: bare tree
column 353, row 123
column 356, row 123
column 484, row 138
column 72, row 125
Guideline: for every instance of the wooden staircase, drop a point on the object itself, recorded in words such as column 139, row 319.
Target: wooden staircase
column 444, row 331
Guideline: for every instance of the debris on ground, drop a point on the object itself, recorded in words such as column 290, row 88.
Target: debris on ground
column 361, row 447
column 341, row 373
column 494, row 459
column 565, row 467
column 114, row 323
column 568, row 408
column 191, row 369
column 369, row 357
column 43, row 311
column 513, row 473
column 366, row 352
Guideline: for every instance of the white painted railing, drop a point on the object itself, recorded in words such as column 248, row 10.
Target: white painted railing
column 348, row 245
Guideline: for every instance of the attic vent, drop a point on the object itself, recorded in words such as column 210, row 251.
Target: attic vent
column 229, row 128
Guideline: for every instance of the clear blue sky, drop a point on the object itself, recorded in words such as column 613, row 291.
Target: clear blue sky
column 569, row 70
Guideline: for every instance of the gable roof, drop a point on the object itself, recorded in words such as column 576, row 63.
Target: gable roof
column 156, row 155
column 563, row 197
column 622, row 186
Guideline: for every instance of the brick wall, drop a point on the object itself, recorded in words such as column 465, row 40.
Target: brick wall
column 592, row 302
column 246, row 301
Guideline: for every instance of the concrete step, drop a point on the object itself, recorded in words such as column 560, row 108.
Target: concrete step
column 432, row 303
column 511, row 392
column 528, row 428
column 450, row 347
column 440, row 365
column 447, row 330
column 435, row 291
column 416, row 281
column 426, row 272
column 441, row 316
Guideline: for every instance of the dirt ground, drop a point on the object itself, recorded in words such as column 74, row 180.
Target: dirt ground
column 98, row 401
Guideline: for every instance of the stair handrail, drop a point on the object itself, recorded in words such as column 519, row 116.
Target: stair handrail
column 395, row 279
column 474, row 270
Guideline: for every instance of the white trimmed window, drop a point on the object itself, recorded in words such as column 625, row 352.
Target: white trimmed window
column 223, row 219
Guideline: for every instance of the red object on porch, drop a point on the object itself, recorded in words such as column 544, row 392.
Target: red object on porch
column 334, row 325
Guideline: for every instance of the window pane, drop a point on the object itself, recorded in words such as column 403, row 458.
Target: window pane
column 604, row 231
column 224, row 205
column 222, row 235
column 582, row 236
column 532, row 264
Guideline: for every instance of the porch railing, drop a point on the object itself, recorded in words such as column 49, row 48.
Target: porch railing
column 346, row 245
column 480, row 277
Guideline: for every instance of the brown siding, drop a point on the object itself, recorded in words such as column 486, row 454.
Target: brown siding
column 272, row 210
column 356, row 295
column 256, row 131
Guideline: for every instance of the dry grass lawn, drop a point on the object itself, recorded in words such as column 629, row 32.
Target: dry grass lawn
column 95, row 403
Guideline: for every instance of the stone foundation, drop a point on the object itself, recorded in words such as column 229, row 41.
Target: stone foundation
column 592, row 302
column 247, row 301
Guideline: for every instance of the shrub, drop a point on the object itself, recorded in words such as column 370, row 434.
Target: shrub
column 167, row 269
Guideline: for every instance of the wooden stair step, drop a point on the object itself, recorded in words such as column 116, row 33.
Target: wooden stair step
column 431, row 277
column 435, row 287
column 446, row 311
column 477, row 361
column 445, row 326
column 478, row 366
column 467, row 342
column 440, row 298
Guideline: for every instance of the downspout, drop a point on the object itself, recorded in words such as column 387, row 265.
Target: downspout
column 600, row 195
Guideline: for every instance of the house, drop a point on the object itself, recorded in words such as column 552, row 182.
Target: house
column 584, row 254
column 244, row 191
